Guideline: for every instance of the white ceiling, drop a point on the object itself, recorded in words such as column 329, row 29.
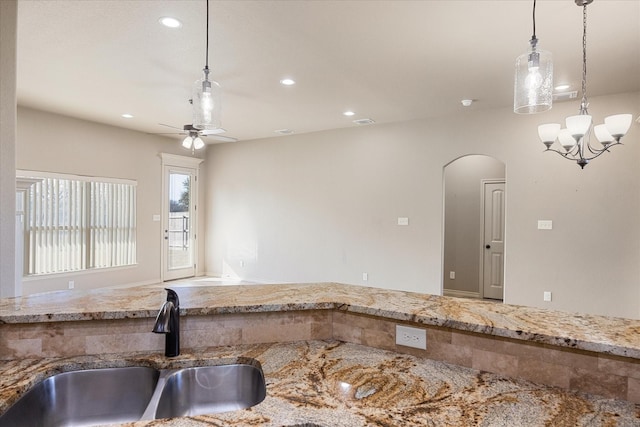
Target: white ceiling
column 385, row 60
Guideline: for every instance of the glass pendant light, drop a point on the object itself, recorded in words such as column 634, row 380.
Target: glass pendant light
column 207, row 96
column 533, row 87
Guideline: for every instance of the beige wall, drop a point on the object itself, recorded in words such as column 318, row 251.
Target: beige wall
column 8, row 37
column 324, row 206
column 56, row 143
column 463, row 247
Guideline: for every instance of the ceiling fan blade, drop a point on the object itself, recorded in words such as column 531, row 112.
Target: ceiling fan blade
column 206, row 132
column 222, row 138
column 167, row 133
column 169, row 126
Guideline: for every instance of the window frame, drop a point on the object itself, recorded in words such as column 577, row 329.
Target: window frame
column 127, row 211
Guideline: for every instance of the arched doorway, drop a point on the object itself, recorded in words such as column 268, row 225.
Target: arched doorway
column 473, row 253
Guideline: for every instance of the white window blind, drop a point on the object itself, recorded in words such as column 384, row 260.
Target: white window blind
column 79, row 223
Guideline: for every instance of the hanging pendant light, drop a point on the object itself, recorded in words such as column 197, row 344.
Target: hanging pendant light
column 533, row 87
column 575, row 138
column 207, row 96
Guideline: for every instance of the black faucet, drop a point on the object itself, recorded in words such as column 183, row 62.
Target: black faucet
column 168, row 323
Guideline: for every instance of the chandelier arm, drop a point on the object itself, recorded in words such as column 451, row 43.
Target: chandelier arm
column 566, row 154
column 598, row 151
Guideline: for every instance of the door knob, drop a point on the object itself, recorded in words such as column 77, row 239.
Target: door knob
column 488, row 246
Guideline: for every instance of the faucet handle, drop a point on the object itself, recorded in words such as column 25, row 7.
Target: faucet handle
column 173, row 297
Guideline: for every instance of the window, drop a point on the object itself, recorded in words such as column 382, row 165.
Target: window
column 75, row 223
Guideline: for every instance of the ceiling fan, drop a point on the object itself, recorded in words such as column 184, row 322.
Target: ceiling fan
column 193, row 137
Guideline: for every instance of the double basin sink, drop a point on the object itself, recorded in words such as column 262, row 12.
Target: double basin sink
column 120, row 395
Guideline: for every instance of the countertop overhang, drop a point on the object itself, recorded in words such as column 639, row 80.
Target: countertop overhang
column 600, row 334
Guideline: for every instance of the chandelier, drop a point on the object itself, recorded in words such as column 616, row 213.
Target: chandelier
column 533, row 86
column 575, row 138
column 206, row 99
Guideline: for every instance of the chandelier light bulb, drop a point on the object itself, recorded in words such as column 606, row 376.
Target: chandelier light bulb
column 618, row 125
column 566, row 139
column 186, row 143
column 603, row 135
column 548, row 133
column 578, row 125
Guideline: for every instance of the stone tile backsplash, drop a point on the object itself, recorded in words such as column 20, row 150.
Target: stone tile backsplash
column 610, row 376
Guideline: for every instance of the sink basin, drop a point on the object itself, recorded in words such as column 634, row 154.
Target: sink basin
column 120, row 395
column 85, row 398
column 210, row 389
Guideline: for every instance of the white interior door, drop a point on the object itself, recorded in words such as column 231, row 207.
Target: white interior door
column 179, row 222
column 493, row 233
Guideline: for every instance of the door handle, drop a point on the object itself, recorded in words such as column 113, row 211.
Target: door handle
column 488, row 247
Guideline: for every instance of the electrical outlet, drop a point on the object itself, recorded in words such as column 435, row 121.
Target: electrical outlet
column 411, row 337
column 72, row 284
column 365, row 276
column 546, row 296
column 452, row 275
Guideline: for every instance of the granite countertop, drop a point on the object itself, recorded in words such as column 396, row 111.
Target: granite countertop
column 609, row 335
column 330, row 383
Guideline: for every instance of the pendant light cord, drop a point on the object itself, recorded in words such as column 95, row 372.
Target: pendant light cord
column 206, row 64
column 534, row 20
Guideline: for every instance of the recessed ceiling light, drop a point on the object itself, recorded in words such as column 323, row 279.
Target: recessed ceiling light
column 288, row 82
column 127, row 116
column 349, row 113
column 170, row 22
column 467, row 102
column 563, row 87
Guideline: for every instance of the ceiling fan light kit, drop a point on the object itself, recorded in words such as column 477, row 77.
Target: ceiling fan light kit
column 575, row 138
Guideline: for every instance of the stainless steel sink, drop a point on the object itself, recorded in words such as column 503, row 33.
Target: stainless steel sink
column 210, row 389
column 85, row 398
column 119, row 395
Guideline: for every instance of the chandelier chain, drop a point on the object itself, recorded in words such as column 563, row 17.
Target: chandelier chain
column 583, row 107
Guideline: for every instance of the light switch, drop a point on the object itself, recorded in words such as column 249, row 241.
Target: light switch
column 156, row 217
column 403, row 221
column 452, row 275
column 545, row 224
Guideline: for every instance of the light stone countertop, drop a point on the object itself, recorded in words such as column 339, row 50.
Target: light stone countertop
column 600, row 334
column 330, row 383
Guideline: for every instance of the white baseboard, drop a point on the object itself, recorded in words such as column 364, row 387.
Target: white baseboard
column 460, row 294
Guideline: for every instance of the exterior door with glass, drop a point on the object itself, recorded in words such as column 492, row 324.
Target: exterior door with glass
column 179, row 222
